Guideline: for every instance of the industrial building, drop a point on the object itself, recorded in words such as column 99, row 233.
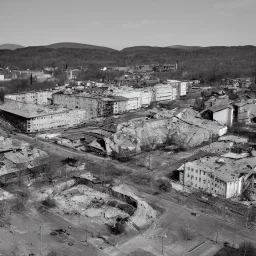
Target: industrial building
column 32, row 118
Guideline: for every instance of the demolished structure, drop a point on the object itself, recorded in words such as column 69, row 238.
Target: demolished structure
column 184, row 128
column 18, row 156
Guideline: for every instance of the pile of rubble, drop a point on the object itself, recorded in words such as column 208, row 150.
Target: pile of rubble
column 184, row 128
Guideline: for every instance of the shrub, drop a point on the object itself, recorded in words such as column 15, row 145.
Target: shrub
column 140, row 178
column 186, row 233
column 112, row 203
column 126, row 208
column 114, row 172
column 54, row 252
column 118, row 228
column 49, row 202
column 162, row 185
column 18, row 205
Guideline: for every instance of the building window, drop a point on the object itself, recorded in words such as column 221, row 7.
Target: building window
column 199, row 179
column 192, row 169
column 196, row 171
column 188, row 175
column 204, row 173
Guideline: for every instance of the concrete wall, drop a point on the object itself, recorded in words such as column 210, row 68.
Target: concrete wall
column 234, row 188
column 224, row 116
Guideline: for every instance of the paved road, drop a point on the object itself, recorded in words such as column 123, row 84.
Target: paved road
column 175, row 217
column 207, row 249
column 77, row 235
column 55, row 148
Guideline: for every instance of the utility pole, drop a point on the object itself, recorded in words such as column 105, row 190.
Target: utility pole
column 247, row 217
column 40, row 240
column 162, row 239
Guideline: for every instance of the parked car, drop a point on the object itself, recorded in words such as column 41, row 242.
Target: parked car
column 195, row 214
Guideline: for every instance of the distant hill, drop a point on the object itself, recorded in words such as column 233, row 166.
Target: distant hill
column 209, row 63
column 140, row 48
column 10, row 46
column 185, row 47
column 78, row 46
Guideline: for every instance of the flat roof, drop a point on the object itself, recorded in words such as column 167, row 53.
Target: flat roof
column 218, row 108
column 29, row 110
column 224, row 168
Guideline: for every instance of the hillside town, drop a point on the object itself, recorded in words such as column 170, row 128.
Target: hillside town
column 128, row 128
column 96, row 146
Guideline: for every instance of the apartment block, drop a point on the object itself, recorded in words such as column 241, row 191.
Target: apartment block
column 95, row 105
column 183, row 85
column 163, row 92
column 221, row 176
column 34, row 118
column 35, row 97
column 79, row 101
column 134, row 97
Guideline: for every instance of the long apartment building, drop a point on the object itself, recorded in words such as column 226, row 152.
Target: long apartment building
column 95, row 105
column 221, row 176
column 35, row 97
column 32, row 118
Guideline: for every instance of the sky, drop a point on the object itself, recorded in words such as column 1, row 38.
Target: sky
column 119, row 23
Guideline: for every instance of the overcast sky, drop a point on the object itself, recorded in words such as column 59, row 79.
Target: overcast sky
column 119, row 23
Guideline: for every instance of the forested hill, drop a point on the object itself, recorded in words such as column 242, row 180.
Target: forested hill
column 78, row 46
column 219, row 60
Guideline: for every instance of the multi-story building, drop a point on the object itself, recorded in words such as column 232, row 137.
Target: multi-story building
column 134, row 97
column 146, row 96
column 163, row 92
column 183, row 86
column 34, row 118
column 113, row 105
column 95, row 105
column 35, row 97
column 79, row 101
column 221, row 176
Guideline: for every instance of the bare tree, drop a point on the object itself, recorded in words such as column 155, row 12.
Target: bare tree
column 187, row 232
column 54, row 252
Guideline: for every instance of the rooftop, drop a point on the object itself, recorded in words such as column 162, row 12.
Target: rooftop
column 217, row 108
column 224, row 168
column 29, row 110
